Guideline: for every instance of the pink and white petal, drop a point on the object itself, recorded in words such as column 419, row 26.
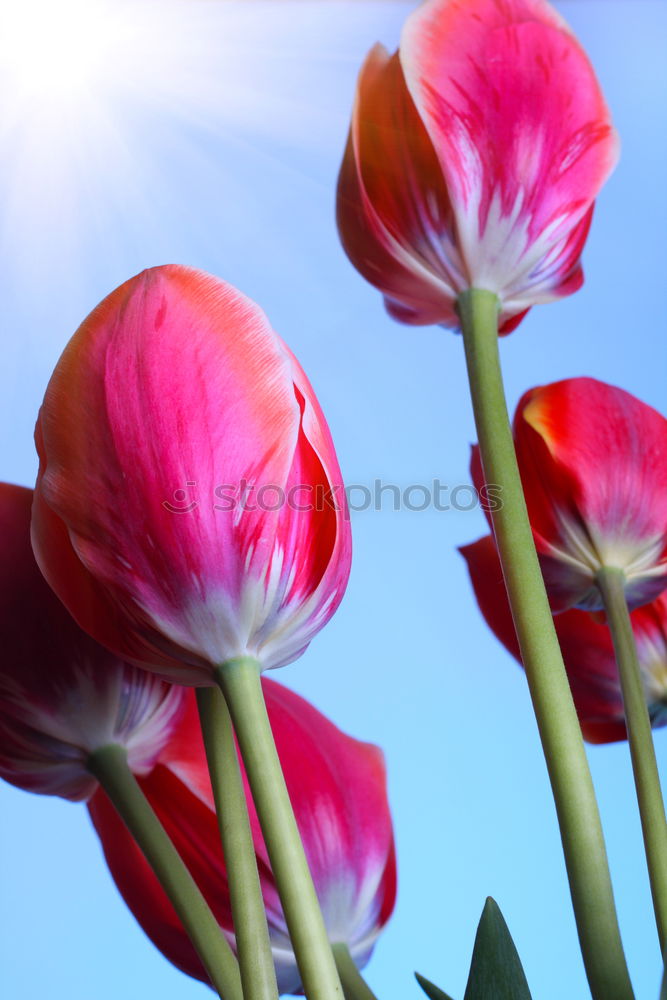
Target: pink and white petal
column 202, row 398
column 338, row 789
column 337, row 785
column 520, row 126
column 312, row 554
column 393, row 209
column 597, row 457
column 560, row 273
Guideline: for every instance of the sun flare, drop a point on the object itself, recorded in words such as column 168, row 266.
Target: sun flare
column 58, row 51
column 108, row 104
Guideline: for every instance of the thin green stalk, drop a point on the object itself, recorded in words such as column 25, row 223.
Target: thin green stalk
column 258, row 974
column 576, row 806
column 355, row 986
column 611, row 582
column 109, row 765
column 239, row 681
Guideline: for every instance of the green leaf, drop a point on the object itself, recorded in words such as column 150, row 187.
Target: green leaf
column 432, row 991
column 495, row 970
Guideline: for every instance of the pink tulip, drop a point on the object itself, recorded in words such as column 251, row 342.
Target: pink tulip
column 587, row 649
column 62, row 696
column 189, row 505
column 474, row 157
column 593, row 463
column 338, row 788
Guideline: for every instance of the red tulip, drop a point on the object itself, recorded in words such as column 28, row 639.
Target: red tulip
column 189, row 505
column 62, row 696
column 338, row 788
column 587, row 649
column 474, row 157
column 593, row 462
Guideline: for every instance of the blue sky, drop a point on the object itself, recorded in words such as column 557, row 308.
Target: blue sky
column 216, row 143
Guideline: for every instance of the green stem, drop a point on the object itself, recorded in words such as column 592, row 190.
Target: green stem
column 355, row 986
column 576, row 806
column 258, row 974
column 611, row 582
column 109, row 765
column 239, row 680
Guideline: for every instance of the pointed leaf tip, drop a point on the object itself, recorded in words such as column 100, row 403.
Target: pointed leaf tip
column 432, row 991
column 496, row 972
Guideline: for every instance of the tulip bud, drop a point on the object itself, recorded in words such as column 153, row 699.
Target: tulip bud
column 62, row 696
column 587, row 647
column 189, row 506
column 338, row 788
column 474, row 157
column 593, row 463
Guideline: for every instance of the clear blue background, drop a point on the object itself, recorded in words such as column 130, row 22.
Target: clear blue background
column 228, row 162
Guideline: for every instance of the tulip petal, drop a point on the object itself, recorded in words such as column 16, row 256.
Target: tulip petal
column 347, row 837
column 522, row 134
column 393, row 209
column 165, row 430
column 311, row 564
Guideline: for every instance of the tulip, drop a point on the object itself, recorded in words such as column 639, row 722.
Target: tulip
column 62, row 696
column 190, row 513
column 593, row 463
column 465, row 195
column 474, row 157
column 74, row 716
column 338, row 788
column 189, row 504
column 587, row 648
